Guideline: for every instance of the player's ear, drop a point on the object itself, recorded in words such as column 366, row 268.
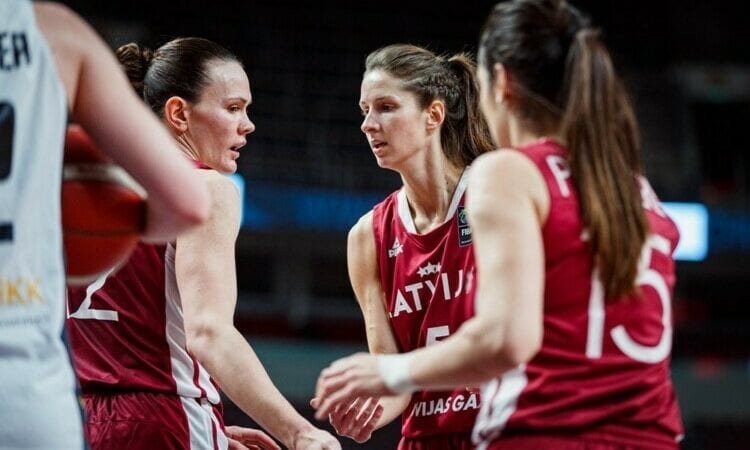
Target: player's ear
column 176, row 112
column 501, row 85
column 435, row 114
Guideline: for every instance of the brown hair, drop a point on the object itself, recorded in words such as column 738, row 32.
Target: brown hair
column 177, row 68
column 564, row 75
column 464, row 134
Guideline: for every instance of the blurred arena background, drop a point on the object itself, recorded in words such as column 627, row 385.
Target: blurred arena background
column 308, row 172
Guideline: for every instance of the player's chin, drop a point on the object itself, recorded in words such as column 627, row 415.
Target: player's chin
column 228, row 166
column 384, row 162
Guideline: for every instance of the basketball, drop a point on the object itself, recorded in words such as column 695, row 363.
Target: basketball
column 103, row 210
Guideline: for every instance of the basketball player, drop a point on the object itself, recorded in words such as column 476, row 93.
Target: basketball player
column 146, row 338
column 573, row 326
column 51, row 62
column 410, row 259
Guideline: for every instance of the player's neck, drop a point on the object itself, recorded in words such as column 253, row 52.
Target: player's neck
column 429, row 192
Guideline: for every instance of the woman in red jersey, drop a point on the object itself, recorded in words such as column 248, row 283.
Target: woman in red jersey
column 410, row 259
column 149, row 339
column 573, row 328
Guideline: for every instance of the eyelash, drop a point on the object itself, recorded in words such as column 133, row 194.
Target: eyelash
column 384, row 108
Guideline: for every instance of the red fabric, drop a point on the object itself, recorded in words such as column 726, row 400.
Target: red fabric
column 615, row 395
column 137, row 421
column 455, row 441
column 132, row 352
column 428, row 285
column 198, row 164
column 559, row 443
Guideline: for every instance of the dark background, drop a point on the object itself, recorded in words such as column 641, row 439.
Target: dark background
column 687, row 65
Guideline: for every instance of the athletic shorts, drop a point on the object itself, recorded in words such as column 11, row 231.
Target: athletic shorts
column 557, row 443
column 453, row 441
column 147, row 421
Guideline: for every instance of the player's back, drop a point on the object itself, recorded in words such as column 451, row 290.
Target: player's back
column 36, row 380
column 427, row 280
column 127, row 334
column 602, row 372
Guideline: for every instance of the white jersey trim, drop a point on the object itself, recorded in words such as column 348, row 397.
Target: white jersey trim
column 188, row 383
column 203, row 425
column 499, row 400
column 404, row 212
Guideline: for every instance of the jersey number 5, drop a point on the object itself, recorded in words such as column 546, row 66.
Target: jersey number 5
column 435, row 333
column 626, row 344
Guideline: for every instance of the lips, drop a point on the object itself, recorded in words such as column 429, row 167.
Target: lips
column 377, row 145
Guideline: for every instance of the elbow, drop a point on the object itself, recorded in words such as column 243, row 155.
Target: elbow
column 196, row 210
column 200, row 339
column 521, row 352
column 507, row 349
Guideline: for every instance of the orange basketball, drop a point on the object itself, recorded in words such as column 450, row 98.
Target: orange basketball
column 103, row 210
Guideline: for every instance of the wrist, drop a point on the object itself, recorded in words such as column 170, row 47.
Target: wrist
column 296, row 432
column 395, row 371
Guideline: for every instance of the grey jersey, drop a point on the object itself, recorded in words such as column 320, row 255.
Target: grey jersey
column 38, row 408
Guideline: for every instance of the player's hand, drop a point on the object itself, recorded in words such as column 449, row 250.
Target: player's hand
column 346, row 379
column 356, row 420
column 241, row 438
column 315, row 439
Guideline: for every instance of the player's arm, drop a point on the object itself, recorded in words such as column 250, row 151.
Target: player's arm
column 205, row 268
column 361, row 417
column 506, row 205
column 103, row 102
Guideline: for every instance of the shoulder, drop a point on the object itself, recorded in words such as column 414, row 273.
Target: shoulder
column 361, row 234
column 61, row 25
column 507, row 174
column 53, row 10
column 225, row 197
column 504, row 161
column 220, row 185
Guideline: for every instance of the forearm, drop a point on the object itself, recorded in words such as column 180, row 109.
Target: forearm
column 392, row 408
column 229, row 359
column 469, row 357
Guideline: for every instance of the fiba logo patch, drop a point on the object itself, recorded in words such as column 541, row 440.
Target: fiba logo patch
column 464, row 231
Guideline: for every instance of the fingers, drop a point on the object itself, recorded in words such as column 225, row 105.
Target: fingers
column 358, row 419
column 332, row 388
column 330, row 401
column 235, row 445
column 365, row 432
column 252, row 437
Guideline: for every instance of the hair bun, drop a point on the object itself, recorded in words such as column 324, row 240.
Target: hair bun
column 135, row 60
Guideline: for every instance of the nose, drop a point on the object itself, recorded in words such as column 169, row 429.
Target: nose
column 246, row 126
column 368, row 124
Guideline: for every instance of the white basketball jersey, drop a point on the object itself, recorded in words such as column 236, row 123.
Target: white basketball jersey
column 38, row 408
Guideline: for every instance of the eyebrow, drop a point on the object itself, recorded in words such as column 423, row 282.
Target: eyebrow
column 382, row 97
column 242, row 99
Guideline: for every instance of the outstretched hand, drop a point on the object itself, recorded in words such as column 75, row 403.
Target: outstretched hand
column 346, row 379
column 241, row 438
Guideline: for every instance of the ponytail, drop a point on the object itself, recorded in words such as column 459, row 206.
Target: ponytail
column 600, row 129
column 468, row 129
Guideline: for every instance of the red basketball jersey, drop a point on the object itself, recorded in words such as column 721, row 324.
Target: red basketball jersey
column 427, row 281
column 603, row 369
column 126, row 331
